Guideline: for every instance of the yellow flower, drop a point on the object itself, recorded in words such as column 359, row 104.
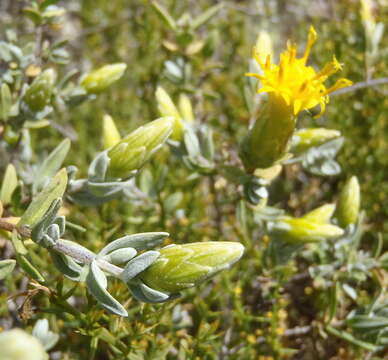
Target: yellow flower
column 293, row 83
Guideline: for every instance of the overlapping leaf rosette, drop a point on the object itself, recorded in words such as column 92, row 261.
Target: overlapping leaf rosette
column 340, row 222
column 152, row 276
column 111, row 173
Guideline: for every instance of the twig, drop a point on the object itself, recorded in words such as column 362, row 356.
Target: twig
column 361, row 85
column 79, row 254
column 38, row 45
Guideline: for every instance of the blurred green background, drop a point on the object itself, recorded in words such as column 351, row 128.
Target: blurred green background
column 240, row 314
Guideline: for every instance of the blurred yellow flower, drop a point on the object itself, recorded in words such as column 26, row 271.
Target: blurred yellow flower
column 293, row 83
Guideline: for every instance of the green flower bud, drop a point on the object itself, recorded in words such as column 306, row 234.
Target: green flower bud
column 348, row 205
column 132, row 152
column 304, row 139
column 321, row 215
column 38, row 95
column 185, row 108
column 100, row 79
column 16, row 344
column 302, row 230
column 166, row 107
column 110, row 134
column 263, row 46
column 182, row 266
column 267, row 141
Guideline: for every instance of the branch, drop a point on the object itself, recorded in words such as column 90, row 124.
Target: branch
column 82, row 256
column 361, row 85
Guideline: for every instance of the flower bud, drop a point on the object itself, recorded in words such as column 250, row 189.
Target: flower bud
column 321, row 215
column 302, row 230
column 38, row 95
column 100, row 79
column 110, row 134
column 185, row 108
column 166, row 107
column 304, row 139
column 292, row 87
column 348, row 205
column 263, row 46
column 267, row 141
column 182, row 266
column 16, row 344
column 132, row 152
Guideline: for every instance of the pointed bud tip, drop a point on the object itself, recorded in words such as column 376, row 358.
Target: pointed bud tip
column 184, row 266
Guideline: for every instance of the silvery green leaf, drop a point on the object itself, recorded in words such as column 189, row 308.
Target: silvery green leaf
column 40, row 228
column 76, row 247
column 67, row 78
column 207, row 143
column 173, row 71
column 98, row 167
column 5, row 53
column 139, row 241
column 66, row 265
column 319, row 160
column 6, row 267
column 349, row 290
column 50, row 165
column 46, row 337
column 106, row 189
column 172, row 201
column 40, row 328
column 255, row 190
column 330, row 168
column 191, row 142
column 121, row 256
column 53, row 232
column 138, row 292
column 25, row 147
column 97, row 283
column 10, row 183
column 146, row 183
column 145, row 294
column 138, row 264
column 90, row 193
column 198, row 163
column 17, row 52
column 47, row 241
column 41, row 203
column 153, row 295
column 61, row 222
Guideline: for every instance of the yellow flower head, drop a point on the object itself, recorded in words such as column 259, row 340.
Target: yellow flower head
column 294, row 83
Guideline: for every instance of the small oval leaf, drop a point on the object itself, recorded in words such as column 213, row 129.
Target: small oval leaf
column 96, row 282
column 41, row 203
